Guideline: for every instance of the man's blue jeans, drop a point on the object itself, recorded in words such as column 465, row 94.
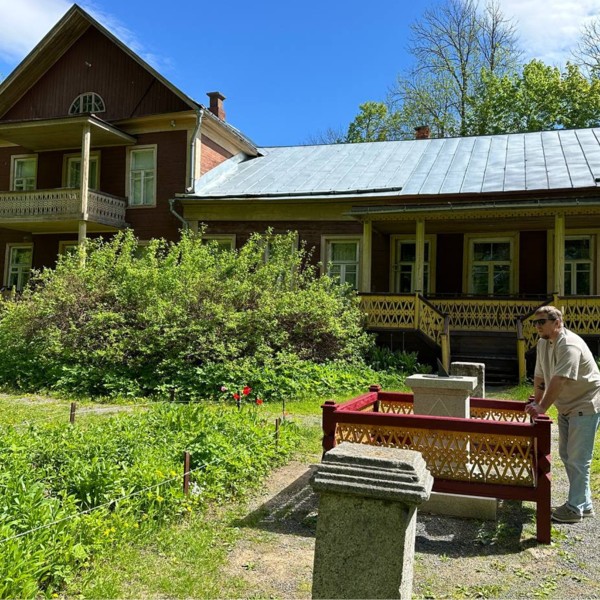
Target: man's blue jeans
column 576, row 449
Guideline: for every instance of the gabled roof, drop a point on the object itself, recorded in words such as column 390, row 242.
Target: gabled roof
column 549, row 160
column 57, row 41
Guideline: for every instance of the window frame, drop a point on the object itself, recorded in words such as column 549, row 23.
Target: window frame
column 128, row 174
column 591, row 261
column 10, row 246
column 593, row 234
column 64, row 245
column 68, row 159
column 501, row 237
column 430, row 240
column 14, row 159
column 327, row 240
column 221, row 237
column 81, row 98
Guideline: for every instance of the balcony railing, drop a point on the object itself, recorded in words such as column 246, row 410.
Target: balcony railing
column 61, row 205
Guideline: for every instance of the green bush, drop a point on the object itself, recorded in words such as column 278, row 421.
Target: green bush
column 125, row 322
column 52, row 475
column 382, row 358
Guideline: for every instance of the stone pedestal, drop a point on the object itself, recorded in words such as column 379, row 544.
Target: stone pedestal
column 442, row 396
column 450, row 397
column 368, row 498
column 471, row 369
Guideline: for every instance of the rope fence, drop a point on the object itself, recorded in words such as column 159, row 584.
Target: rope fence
column 187, row 471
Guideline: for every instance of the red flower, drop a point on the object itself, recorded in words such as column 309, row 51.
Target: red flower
column 246, row 390
column 236, row 396
column 259, row 401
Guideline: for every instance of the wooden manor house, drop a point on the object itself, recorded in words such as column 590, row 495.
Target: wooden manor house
column 451, row 243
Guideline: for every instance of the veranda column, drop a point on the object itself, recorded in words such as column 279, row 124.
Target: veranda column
column 365, row 258
column 420, row 257
column 559, row 254
column 85, row 180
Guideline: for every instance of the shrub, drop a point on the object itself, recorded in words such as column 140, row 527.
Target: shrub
column 131, row 323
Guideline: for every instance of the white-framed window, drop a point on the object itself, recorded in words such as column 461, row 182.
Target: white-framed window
column 72, row 171
column 491, row 265
column 579, row 265
column 342, row 258
column 141, row 184
column 18, row 265
column 224, row 241
column 404, row 254
column 88, row 102
column 23, row 172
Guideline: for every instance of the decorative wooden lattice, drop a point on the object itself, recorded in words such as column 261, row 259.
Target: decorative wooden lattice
column 499, row 414
column 394, row 312
column 487, row 413
column 403, row 312
column 470, row 314
column 396, row 408
column 455, row 455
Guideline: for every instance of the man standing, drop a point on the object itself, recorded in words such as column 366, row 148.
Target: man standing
column 566, row 374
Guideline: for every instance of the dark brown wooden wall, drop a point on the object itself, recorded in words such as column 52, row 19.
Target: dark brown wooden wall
column 171, row 168
column 533, row 265
column 95, row 64
column 380, row 265
column 449, row 263
column 308, row 231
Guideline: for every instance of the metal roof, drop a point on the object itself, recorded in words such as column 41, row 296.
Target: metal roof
column 548, row 160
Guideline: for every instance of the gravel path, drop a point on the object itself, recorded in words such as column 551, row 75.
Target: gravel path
column 454, row 558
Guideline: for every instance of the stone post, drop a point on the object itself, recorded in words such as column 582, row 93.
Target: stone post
column 471, row 369
column 366, row 525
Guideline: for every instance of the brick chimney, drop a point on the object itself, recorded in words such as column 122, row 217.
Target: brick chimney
column 216, row 104
column 422, row 132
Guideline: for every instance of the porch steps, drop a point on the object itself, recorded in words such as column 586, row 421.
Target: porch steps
column 497, row 351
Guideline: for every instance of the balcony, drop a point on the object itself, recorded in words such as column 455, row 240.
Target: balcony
column 48, row 210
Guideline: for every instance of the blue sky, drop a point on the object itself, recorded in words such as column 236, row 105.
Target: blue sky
column 288, row 69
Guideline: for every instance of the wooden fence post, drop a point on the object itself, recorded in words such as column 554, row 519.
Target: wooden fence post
column 277, row 422
column 186, row 473
column 72, row 415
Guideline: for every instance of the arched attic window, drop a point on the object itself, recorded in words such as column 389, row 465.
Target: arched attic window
column 88, row 102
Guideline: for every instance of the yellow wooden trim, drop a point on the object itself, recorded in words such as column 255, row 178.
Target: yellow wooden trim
column 559, row 254
column 419, row 255
column 260, row 210
column 365, row 256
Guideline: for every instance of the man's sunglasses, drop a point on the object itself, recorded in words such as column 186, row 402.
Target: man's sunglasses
column 541, row 321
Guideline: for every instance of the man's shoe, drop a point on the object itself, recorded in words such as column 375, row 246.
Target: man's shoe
column 589, row 512
column 563, row 514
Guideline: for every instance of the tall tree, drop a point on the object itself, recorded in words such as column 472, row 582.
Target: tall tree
column 540, row 97
column 453, row 44
column 587, row 53
column 374, row 123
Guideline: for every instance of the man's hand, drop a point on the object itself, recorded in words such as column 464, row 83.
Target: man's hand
column 534, row 410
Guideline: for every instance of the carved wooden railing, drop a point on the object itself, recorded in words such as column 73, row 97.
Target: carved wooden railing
column 499, row 452
column 61, row 205
column 408, row 312
column 484, row 314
